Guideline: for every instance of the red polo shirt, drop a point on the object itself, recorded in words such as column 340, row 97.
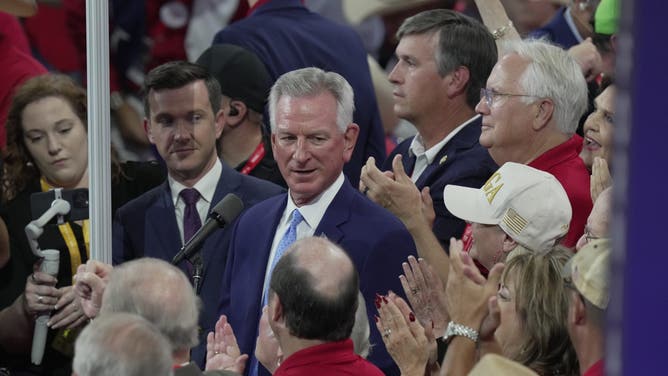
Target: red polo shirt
column 333, row 358
column 565, row 164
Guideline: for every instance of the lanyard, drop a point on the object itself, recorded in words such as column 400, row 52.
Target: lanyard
column 254, row 159
column 68, row 235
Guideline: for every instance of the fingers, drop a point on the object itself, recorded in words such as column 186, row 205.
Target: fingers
column 416, row 329
column 456, row 263
column 474, row 275
column 494, row 277
column 209, row 346
column 89, row 284
column 428, row 206
column 240, row 364
column 376, row 182
column 398, row 170
column 41, row 278
column 67, row 316
column 66, row 297
column 420, row 283
column 98, row 268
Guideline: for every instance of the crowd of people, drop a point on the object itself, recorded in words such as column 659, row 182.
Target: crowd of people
column 476, row 245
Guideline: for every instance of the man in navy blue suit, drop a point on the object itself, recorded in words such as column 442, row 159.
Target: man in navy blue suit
column 286, row 36
column 183, row 122
column 444, row 60
column 312, row 137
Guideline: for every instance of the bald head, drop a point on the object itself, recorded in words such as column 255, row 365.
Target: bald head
column 159, row 292
column 319, row 257
column 317, row 285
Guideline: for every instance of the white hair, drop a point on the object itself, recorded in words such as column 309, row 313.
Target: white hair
column 121, row 344
column 552, row 73
column 307, row 82
column 160, row 293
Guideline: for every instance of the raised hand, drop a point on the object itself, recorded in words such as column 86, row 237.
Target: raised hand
column 467, row 297
column 426, row 294
column 222, row 350
column 600, row 177
column 404, row 337
column 69, row 313
column 91, row 281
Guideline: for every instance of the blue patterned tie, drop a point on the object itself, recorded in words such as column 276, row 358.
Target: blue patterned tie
column 191, row 219
column 287, row 239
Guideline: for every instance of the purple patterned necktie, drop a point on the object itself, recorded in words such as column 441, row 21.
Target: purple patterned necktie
column 191, row 220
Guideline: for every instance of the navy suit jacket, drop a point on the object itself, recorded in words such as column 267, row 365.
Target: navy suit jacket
column 146, row 227
column 462, row 161
column 376, row 241
column 557, row 31
column 286, row 36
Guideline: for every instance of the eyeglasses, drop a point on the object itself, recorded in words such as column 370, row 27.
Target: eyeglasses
column 490, row 95
column 589, row 237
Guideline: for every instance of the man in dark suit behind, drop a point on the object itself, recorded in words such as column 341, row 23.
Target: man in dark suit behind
column 444, row 60
column 312, row 137
column 286, row 36
column 183, row 122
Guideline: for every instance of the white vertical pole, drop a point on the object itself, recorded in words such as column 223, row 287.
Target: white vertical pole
column 99, row 144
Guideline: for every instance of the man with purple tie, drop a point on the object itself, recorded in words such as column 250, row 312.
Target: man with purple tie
column 184, row 119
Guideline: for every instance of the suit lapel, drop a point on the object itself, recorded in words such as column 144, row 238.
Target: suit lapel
column 464, row 139
column 337, row 214
column 162, row 232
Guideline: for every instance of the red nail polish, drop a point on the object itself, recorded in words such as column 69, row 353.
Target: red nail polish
column 411, row 317
column 375, row 317
column 377, row 302
column 385, row 300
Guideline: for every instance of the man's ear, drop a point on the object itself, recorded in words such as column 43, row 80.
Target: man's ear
column 236, row 114
column 544, row 113
column 276, row 310
column 349, row 140
column 459, row 81
column 579, row 309
column 147, row 130
column 508, row 244
column 219, row 123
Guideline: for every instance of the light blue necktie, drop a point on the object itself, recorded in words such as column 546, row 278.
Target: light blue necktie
column 287, row 239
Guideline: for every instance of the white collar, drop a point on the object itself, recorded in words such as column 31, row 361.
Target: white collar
column 206, row 186
column 315, row 210
column 417, row 146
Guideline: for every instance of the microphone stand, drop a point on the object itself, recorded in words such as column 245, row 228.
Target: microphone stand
column 198, row 266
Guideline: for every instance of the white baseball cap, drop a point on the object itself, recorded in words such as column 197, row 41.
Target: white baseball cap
column 589, row 272
column 529, row 205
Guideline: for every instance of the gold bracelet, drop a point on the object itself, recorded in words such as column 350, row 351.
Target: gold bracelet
column 500, row 32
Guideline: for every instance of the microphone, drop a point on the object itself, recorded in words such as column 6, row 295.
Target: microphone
column 223, row 213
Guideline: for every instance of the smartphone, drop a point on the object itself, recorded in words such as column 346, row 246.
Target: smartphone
column 40, row 202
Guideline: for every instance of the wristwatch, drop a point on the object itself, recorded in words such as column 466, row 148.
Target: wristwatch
column 455, row 329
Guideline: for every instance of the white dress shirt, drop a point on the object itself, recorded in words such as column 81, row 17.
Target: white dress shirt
column 206, row 186
column 312, row 213
column 424, row 158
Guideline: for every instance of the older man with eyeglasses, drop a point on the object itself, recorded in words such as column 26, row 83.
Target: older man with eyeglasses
column 530, row 109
